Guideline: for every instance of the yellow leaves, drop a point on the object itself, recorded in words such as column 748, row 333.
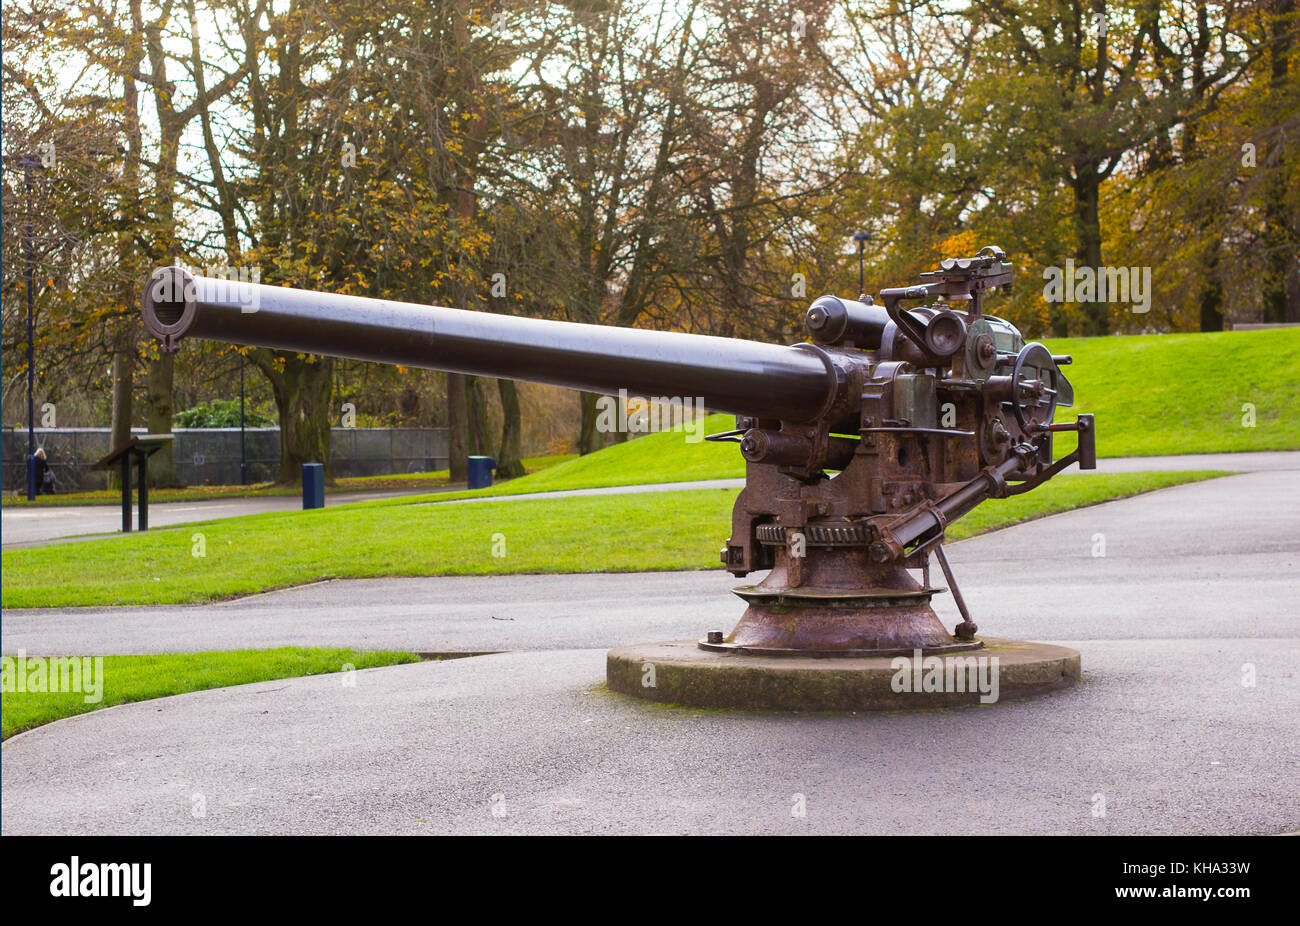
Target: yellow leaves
column 963, row 244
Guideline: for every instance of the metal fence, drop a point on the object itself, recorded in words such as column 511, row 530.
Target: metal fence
column 210, row 456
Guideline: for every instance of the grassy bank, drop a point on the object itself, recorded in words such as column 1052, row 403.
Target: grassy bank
column 613, row 533
column 140, row 678
column 1187, row 393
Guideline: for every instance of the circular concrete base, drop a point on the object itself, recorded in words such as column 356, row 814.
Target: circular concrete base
column 679, row 672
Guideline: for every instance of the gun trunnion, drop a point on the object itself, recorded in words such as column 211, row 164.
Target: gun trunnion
column 860, row 447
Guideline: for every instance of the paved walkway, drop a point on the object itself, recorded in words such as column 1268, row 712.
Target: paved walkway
column 23, row 526
column 1196, row 592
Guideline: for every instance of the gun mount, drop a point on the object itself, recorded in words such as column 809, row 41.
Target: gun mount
column 953, row 408
column 861, row 447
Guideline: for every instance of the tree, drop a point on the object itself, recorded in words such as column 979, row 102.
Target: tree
column 1197, row 202
column 1281, row 209
column 604, row 157
column 1092, row 85
column 86, row 216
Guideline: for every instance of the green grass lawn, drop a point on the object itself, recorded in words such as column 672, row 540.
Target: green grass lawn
column 612, row 533
column 140, row 678
column 663, row 457
column 1184, row 393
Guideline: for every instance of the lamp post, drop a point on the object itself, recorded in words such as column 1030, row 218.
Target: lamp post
column 29, row 163
column 861, row 237
column 243, row 464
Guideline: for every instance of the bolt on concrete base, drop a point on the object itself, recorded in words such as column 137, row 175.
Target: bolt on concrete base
column 679, row 672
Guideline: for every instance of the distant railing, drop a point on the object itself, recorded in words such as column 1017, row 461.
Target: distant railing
column 210, row 456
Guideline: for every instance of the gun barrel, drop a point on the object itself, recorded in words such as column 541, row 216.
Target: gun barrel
column 730, row 375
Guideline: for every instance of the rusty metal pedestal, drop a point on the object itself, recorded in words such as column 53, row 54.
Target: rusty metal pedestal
column 837, row 601
column 841, row 612
column 834, row 630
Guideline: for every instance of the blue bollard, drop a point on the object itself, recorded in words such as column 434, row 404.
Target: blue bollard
column 313, row 485
column 480, row 471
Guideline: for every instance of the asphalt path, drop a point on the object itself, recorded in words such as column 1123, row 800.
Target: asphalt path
column 25, row 526
column 1188, row 720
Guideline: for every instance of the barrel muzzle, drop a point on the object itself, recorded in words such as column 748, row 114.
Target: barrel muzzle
column 169, row 306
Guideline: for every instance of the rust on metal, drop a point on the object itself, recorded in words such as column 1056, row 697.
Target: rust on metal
column 951, row 407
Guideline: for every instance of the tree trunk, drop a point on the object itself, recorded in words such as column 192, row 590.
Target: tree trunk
column 589, row 439
column 303, row 392
column 510, row 457
column 457, row 436
column 158, row 409
column 166, row 174
column 1058, row 320
column 1211, row 291
column 460, row 190
column 1280, row 244
column 1277, row 249
column 479, row 434
column 123, row 377
column 1087, row 225
column 124, row 349
column 1209, row 296
column 123, row 384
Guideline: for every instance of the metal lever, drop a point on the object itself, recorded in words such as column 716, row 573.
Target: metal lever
column 1087, row 431
column 966, row 629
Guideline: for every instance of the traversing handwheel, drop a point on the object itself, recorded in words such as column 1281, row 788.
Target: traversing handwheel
column 1035, row 387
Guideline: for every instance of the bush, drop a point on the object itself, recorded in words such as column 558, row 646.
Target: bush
column 220, row 413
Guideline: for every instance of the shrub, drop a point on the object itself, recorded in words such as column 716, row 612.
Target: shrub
column 220, row 413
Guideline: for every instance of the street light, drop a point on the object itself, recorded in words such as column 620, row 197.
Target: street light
column 243, row 463
column 861, row 237
column 29, row 163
